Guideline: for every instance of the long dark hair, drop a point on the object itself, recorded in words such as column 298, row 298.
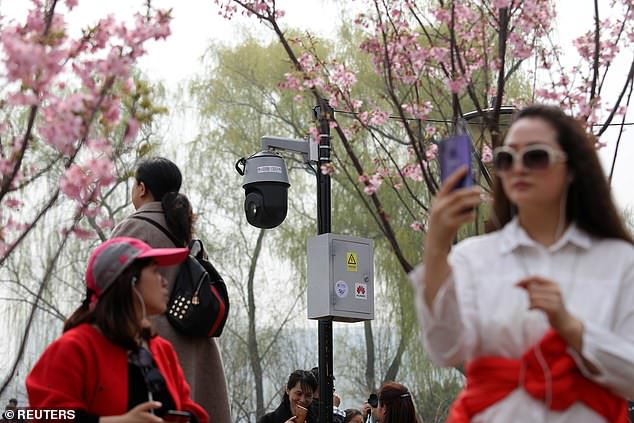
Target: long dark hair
column 589, row 203
column 116, row 313
column 179, row 216
column 163, row 179
column 399, row 406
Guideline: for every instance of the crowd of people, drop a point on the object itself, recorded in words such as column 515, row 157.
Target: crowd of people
column 539, row 311
column 300, row 404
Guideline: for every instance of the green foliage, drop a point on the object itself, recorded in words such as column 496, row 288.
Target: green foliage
column 239, row 100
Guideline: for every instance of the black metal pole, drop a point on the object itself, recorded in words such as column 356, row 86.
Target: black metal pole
column 324, row 114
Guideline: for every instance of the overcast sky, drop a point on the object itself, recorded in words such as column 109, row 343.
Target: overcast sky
column 196, row 23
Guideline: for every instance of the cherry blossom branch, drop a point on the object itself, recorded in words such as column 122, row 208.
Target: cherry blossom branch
column 35, row 221
column 493, row 123
column 608, row 121
column 621, row 130
column 362, row 196
column 47, row 275
column 597, row 48
column 398, row 104
column 270, row 17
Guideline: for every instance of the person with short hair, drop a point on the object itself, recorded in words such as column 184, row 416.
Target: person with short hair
column 108, row 365
column 540, row 310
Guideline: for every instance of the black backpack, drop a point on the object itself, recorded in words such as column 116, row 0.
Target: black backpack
column 199, row 302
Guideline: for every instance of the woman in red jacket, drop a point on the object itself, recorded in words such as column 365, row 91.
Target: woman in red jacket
column 108, row 366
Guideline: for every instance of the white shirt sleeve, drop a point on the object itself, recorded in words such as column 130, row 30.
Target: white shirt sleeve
column 611, row 350
column 448, row 328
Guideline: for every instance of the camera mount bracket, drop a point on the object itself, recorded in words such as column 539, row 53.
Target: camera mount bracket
column 306, row 148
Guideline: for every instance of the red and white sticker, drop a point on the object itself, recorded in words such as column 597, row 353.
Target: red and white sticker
column 361, row 291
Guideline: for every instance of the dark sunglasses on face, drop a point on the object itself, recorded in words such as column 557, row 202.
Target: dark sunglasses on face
column 532, row 157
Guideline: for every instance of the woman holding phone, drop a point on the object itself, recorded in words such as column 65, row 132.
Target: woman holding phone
column 108, row 366
column 541, row 310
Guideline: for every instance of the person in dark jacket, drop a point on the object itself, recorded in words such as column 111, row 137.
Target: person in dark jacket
column 338, row 415
column 299, row 391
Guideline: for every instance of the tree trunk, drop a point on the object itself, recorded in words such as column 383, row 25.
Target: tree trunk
column 395, row 365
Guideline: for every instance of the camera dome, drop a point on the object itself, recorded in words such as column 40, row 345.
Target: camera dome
column 266, row 188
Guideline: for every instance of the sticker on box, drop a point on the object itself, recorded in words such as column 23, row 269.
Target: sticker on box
column 351, row 261
column 361, row 291
column 341, row 289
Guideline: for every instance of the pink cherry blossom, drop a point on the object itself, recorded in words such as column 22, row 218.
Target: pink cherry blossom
column 343, row 78
column 487, row 154
column 84, row 234
column 327, row 169
column 71, row 82
column 431, row 152
column 499, row 4
column 416, row 226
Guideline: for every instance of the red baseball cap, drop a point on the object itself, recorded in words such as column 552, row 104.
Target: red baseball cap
column 110, row 259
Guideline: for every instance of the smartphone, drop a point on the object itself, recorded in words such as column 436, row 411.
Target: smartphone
column 455, row 152
column 176, row 416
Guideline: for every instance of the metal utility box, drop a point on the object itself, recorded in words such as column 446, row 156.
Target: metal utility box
column 340, row 278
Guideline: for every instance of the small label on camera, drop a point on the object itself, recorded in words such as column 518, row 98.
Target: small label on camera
column 269, row 169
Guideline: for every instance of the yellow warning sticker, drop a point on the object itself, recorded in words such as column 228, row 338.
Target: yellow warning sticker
column 351, row 261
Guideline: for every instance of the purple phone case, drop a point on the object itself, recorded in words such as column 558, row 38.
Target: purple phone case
column 455, row 152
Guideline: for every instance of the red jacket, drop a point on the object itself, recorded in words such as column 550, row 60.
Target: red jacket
column 83, row 370
column 491, row 379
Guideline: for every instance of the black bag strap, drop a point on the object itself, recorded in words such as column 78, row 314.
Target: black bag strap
column 161, row 228
column 213, row 273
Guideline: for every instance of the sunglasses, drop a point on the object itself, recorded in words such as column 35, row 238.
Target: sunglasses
column 533, row 157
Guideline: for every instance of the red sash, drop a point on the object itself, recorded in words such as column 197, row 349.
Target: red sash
column 491, row 379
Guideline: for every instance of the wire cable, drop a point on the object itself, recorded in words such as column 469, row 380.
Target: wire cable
column 345, row 112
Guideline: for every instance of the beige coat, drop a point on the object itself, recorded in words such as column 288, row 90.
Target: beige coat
column 199, row 357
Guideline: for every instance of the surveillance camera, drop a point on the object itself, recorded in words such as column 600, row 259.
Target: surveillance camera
column 266, row 188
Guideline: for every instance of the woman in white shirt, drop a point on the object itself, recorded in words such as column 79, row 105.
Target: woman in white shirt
column 541, row 311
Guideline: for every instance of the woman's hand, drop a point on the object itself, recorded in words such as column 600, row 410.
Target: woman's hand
column 291, row 420
column 450, row 209
column 365, row 408
column 545, row 295
column 139, row 414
